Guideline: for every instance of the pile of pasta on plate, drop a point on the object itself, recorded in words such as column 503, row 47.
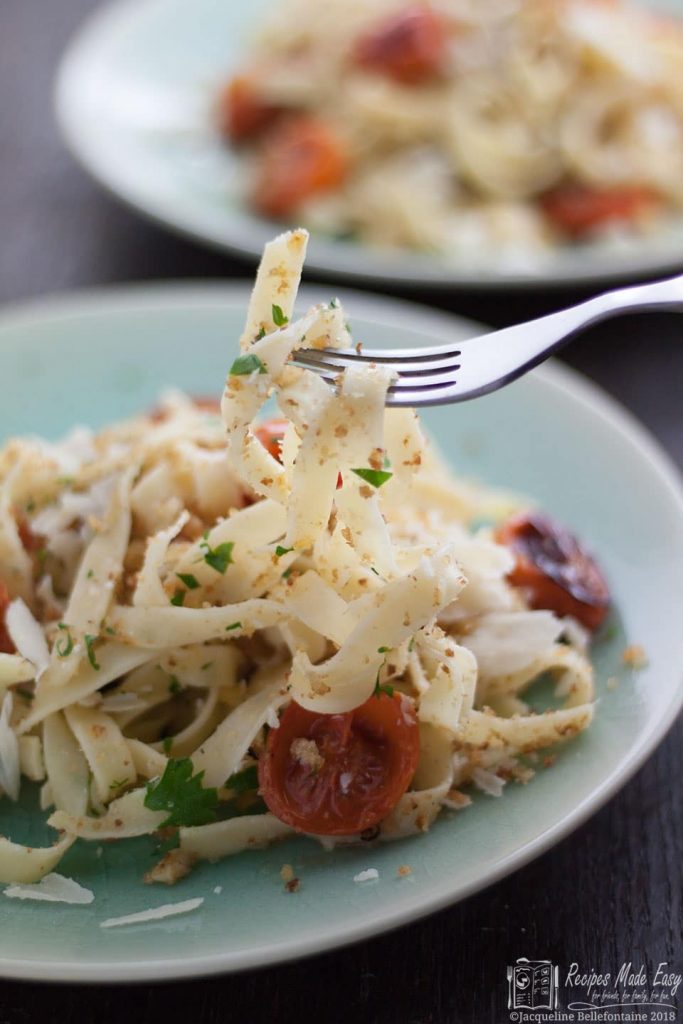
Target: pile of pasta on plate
column 508, row 128
column 224, row 629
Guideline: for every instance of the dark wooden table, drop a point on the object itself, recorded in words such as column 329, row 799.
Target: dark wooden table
column 611, row 893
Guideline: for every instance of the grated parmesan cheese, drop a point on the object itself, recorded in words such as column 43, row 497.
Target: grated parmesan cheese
column 369, row 875
column 154, row 913
column 53, row 888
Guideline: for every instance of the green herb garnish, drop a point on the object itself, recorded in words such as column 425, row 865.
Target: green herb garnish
column 190, row 581
column 233, row 625
column 246, row 364
column 89, row 645
column 65, row 644
column 167, row 743
column 280, row 551
column 261, row 334
column 383, row 688
column 279, row 318
column 174, row 686
column 181, row 793
column 383, row 650
column 244, row 781
column 117, row 783
column 334, row 303
column 218, row 558
column 374, row 477
column 178, row 598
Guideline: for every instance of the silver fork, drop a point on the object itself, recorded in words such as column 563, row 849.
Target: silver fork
column 466, row 369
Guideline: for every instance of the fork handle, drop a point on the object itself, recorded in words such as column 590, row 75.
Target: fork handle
column 666, row 294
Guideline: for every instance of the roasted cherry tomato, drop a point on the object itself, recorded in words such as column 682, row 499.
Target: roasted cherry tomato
column 554, row 569
column 338, row 775
column 242, row 111
column 270, row 434
column 579, row 209
column 409, row 47
column 30, row 541
column 302, row 157
column 6, row 645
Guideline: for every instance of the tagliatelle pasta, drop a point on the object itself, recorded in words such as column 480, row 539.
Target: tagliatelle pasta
column 482, row 129
column 190, row 590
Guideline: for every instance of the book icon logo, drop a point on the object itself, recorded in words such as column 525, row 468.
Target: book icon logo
column 532, row 985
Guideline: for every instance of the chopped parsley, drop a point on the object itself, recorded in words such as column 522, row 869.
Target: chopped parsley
column 280, row 551
column 167, row 743
column 65, row 644
column 190, row 581
column 207, row 664
column 334, row 303
column 411, row 644
column 279, row 318
column 383, row 688
column 287, row 573
column 181, row 793
column 261, row 334
column 110, row 631
column 89, row 645
column 374, row 477
column 178, row 598
column 246, row 364
column 233, row 625
column 244, row 781
column 218, row 558
column 383, row 650
column 89, row 575
column 117, row 783
column 174, row 686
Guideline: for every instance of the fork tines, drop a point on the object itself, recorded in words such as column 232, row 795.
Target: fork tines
column 420, row 375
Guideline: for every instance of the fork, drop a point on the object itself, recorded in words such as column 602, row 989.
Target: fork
column 459, row 371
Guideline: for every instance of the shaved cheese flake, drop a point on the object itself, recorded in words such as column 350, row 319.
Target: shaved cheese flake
column 154, row 914
column 53, row 888
column 27, row 636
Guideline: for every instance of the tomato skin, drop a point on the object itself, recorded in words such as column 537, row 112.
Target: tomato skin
column 369, row 757
column 301, row 157
column 579, row 209
column 270, row 434
column 6, row 645
column 555, row 570
column 242, row 112
column 409, row 47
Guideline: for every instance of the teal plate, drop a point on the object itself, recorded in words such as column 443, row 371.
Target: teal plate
column 135, row 97
column 98, row 357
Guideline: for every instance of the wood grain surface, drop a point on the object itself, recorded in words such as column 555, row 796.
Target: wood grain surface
column 610, row 893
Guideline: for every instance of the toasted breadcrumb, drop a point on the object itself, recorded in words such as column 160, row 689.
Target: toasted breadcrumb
column 403, row 870
column 634, row 656
column 306, row 753
column 173, row 866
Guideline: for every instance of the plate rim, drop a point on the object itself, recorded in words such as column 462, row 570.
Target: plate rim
column 144, row 296
column 246, row 240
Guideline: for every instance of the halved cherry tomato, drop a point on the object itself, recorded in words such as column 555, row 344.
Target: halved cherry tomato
column 354, row 771
column 270, row 434
column 554, row 569
column 302, row 156
column 578, row 209
column 6, row 645
column 409, row 47
column 242, row 111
